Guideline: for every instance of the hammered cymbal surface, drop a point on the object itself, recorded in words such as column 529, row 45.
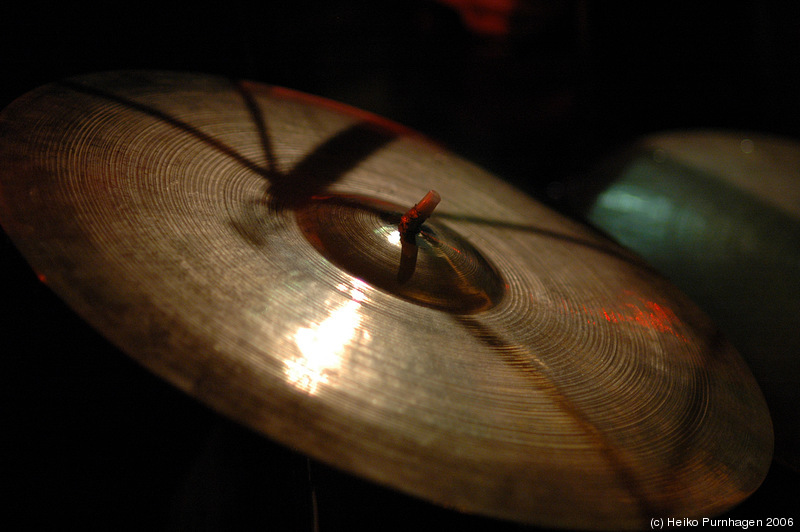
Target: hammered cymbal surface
column 179, row 214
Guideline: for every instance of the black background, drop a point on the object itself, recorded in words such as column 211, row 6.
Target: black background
column 92, row 440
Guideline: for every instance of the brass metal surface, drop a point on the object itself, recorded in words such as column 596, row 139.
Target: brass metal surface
column 184, row 217
column 718, row 212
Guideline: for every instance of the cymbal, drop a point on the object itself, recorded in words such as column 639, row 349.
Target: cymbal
column 718, row 212
column 241, row 241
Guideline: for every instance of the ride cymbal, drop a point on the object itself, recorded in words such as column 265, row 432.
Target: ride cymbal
column 241, row 241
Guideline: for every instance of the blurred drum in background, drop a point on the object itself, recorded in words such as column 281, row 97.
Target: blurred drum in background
column 719, row 214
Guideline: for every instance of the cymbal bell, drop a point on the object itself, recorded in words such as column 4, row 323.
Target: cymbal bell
column 239, row 240
column 362, row 237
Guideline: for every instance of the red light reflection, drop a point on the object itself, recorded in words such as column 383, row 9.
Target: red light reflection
column 635, row 310
column 485, row 17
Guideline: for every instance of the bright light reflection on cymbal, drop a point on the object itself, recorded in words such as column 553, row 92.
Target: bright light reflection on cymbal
column 323, row 345
column 394, row 237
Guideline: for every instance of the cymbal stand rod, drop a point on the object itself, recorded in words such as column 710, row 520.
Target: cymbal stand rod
column 412, row 221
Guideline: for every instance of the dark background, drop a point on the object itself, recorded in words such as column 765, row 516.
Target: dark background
column 91, row 439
